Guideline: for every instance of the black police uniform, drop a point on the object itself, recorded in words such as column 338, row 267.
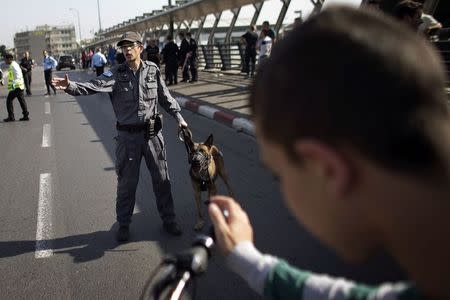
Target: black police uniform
column 153, row 54
column 250, row 52
column 26, row 65
column 184, row 49
column 170, row 56
column 192, row 60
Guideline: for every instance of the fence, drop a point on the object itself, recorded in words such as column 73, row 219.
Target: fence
column 222, row 56
column 231, row 56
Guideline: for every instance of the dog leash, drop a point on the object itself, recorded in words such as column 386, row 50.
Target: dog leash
column 183, row 135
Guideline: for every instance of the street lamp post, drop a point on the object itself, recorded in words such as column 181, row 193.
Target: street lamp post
column 171, row 21
column 79, row 26
column 99, row 21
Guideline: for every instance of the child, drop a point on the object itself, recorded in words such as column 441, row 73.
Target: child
column 360, row 140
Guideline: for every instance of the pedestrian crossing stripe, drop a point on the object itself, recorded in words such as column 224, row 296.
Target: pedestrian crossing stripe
column 108, row 74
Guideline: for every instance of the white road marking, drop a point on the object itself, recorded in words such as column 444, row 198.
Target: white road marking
column 47, row 108
column 46, row 136
column 44, row 218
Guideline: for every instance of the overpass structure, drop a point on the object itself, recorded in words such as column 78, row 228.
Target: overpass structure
column 188, row 14
column 219, row 46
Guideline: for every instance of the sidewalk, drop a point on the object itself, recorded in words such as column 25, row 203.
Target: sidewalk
column 219, row 96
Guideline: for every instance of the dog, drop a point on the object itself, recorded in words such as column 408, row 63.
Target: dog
column 207, row 164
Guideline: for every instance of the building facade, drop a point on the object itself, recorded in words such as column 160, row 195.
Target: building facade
column 58, row 40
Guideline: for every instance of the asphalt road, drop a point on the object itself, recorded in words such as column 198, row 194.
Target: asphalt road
column 73, row 178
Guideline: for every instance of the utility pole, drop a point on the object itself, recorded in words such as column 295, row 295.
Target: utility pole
column 99, row 20
column 171, row 21
column 79, row 26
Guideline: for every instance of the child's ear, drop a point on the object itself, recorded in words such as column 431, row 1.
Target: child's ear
column 209, row 141
column 327, row 163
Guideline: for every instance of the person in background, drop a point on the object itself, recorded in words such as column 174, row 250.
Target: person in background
column 249, row 39
column 16, row 86
column 152, row 51
column 99, row 62
column 49, row 64
column 191, row 62
column 170, row 58
column 409, row 12
column 183, row 56
column 361, row 148
column 264, row 46
column 83, row 59
column 268, row 31
column 112, row 55
column 26, row 64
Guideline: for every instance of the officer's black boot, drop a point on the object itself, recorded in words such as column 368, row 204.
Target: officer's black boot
column 9, row 119
column 25, row 117
column 173, row 228
column 123, row 233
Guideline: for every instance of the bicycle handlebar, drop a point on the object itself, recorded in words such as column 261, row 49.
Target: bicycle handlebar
column 176, row 270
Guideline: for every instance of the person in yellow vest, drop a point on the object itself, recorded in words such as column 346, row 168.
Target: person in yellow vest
column 16, row 86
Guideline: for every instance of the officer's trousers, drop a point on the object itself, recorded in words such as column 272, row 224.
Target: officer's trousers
column 48, row 81
column 172, row 71
column 17, row 93
column 27, row 81
column 250, row 62
column 130, row 149
column 191, row 64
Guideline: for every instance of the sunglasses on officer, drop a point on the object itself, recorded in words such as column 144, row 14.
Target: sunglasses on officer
column 130, row 46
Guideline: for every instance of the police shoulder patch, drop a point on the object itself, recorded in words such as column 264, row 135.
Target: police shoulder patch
column 108, row 74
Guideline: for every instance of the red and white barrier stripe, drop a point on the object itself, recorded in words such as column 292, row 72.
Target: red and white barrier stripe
column 238, row 123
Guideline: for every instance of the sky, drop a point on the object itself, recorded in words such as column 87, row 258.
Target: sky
column 18, row 16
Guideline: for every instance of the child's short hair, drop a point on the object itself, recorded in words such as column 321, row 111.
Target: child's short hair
column 353, row 77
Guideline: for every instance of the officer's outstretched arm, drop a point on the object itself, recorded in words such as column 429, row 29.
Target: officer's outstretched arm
column 102, row 84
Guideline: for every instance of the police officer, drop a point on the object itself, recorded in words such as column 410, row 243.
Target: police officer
column 152, row 51
column 170, row 57
column 135, row 88
column 192, row 60
column 26, row 64
column 16, row 86
column 183, row 56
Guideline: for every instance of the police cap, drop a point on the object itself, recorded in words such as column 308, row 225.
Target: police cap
column 130, row 37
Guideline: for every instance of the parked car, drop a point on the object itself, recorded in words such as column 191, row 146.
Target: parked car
column 66, row 61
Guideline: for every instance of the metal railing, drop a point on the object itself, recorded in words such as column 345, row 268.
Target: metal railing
column 221, row 56
column 444, row 49
column 231, row 56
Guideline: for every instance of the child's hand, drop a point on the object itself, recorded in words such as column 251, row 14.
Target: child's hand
column 232, row 229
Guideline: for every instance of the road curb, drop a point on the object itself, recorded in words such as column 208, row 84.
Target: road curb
column 231, row 120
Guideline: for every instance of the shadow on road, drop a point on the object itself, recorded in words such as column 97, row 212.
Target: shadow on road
column 91, row 246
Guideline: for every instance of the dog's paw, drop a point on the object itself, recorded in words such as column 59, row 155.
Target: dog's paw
column 199, row 225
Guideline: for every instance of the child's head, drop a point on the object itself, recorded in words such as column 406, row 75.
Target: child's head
column 347, row 88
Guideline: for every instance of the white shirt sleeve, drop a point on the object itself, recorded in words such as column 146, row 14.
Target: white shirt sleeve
column 17, row 74
column 251, row 265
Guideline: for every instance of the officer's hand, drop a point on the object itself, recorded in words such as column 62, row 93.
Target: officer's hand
column 61, row 83
column 183, row 124
column 234, row 228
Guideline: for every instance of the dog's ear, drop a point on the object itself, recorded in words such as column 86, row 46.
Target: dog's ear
column 209, row 141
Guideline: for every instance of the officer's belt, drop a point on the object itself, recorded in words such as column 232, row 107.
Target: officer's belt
column 131, row 127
